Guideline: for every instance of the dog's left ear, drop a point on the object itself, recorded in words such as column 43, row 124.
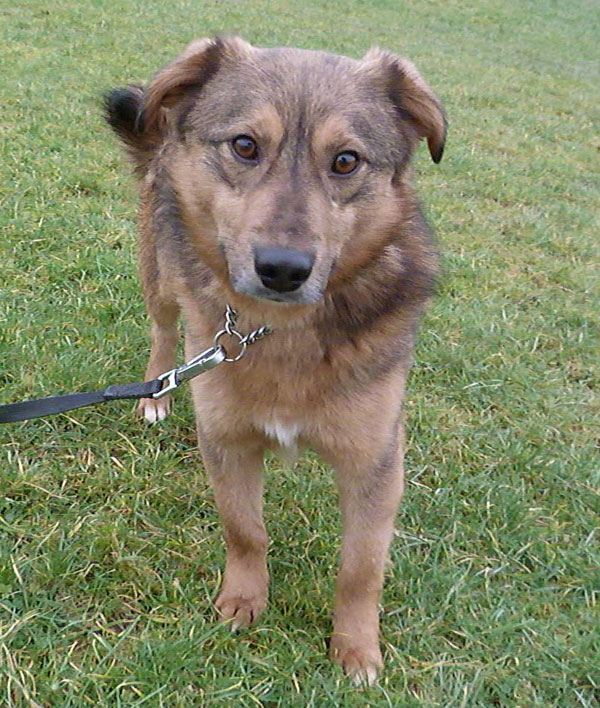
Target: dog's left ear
column 415, row 101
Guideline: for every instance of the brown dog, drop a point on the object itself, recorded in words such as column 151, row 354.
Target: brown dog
column 277, row 180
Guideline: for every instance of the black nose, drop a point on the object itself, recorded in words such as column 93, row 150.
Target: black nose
column 281, row 269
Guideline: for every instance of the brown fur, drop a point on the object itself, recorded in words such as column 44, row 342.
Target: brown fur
column 334, row 370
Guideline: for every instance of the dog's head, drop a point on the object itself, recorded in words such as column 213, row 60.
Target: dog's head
column 288, row 165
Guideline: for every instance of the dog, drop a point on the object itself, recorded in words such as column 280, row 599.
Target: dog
column 278, row 181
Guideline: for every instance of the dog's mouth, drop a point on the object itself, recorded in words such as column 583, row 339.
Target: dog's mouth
column 278, row 299
column 305, row 295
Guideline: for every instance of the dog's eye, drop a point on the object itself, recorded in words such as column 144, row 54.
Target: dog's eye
column 345, row 163
column 245, row 147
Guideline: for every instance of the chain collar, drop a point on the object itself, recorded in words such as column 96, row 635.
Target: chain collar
column 243, row 341
column 213, row 356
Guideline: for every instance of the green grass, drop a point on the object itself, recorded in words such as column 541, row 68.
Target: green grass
column 110, row 547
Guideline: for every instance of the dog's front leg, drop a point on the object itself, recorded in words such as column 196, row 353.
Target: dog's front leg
column 235, row 473
column 370, row 492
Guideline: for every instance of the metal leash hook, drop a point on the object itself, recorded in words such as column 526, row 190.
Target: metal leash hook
column 198, row 365
column 213, row 356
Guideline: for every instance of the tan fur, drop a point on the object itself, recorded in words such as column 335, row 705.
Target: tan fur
column 333, row 373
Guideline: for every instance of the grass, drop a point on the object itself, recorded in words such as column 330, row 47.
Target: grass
column 110, row 548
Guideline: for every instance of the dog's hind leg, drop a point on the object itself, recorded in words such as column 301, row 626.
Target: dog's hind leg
column 164, row 337
column 164, row 312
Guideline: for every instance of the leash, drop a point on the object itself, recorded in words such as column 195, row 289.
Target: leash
column 157, row 388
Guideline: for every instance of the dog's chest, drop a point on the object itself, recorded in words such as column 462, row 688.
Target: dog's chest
column 284, row 433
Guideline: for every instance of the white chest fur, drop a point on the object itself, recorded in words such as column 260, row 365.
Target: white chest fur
column 286, row 434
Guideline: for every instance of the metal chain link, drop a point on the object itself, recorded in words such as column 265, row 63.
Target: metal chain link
column 243, row 340
column 211, row 357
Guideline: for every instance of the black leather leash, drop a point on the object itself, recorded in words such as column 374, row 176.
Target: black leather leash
column 157, row 388
column 38, row 407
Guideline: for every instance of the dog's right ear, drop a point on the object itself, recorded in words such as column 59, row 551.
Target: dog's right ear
column 122, row 108
column 198, row 63
column 139, row 116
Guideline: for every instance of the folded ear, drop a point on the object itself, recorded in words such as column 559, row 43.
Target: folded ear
column 139, row 115
column 415, row 101
column 198, row 63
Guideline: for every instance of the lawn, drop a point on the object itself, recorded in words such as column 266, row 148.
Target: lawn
column 110, row 546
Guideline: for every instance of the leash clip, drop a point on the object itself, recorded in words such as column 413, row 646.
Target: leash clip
column 204, row 361
column 213, row 356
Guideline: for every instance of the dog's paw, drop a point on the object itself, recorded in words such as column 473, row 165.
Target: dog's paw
column 154, row 410
column 360, row 661
column 241, row 611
